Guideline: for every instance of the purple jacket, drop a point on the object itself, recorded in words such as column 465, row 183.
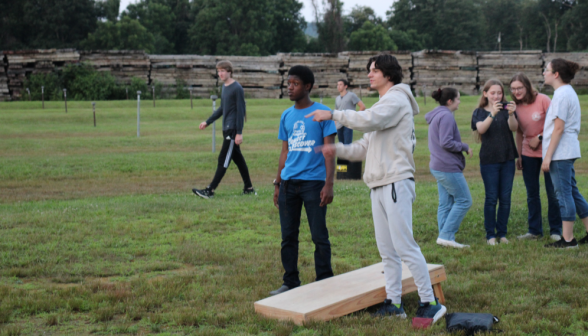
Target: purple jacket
column 445, row 142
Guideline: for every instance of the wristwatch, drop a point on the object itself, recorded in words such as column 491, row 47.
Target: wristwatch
column 540, row 137
column 332, row 114
column 277, row 184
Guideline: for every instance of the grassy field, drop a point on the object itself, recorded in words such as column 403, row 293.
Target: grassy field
column 100, row 233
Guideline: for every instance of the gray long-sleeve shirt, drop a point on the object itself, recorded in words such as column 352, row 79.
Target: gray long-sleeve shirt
column 232, row 108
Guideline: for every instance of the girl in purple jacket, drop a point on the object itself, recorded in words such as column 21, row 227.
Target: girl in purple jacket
column 447, row 164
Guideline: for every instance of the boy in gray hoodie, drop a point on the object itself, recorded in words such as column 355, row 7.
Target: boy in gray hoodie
column 387, row 146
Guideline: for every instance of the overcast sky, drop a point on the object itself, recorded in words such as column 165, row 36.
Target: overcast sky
column 380, row 6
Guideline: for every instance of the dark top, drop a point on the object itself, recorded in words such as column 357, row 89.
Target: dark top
column 498, row 144
column 232, row 108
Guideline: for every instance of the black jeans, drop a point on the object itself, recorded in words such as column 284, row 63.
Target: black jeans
column 531, row 174
column 294, row 193
column 230, row 151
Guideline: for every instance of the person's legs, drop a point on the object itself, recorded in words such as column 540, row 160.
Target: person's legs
column 290, row 209
column 397, row 199
column 579, row 200
column 553, row 212
column 242, row 165
column 531, row 174
column 348, row 136
column 490, row 176
column 507, row 173
column 445, row 200
column 223, row 157
column 457, row 186
column 561, row 176
column 310, row 192
column 341, row 134
column 391, row 260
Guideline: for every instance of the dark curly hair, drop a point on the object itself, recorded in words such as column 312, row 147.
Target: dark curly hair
column 389, row 66
column 304, row 73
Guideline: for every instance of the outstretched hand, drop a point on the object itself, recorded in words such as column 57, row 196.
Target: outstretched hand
column 203, row 125
column 320, row 115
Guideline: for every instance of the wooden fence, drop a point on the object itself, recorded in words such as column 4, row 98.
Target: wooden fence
column 266, row 77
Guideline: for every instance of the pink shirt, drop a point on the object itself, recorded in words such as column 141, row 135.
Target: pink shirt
column 531, row 120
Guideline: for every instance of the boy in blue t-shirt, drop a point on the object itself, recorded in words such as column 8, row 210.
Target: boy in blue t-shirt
column 306, row 177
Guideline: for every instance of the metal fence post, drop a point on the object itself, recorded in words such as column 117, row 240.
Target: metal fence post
column 94, row 112
column 191, row 104
column 65, row 98
column 43, row 96
column 138, row 114
column 127, row 90
column 153, row 91
column 214, row 98
column 29, row 92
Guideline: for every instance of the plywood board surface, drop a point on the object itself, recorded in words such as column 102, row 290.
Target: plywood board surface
column 339, row 295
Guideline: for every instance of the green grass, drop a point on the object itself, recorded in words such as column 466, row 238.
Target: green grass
column 100, row 234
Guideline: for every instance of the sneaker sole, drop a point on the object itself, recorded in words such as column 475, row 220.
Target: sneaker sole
column 203, row 196
column 439, row 314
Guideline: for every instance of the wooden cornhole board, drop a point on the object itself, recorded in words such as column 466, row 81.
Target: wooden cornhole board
column 342, row 294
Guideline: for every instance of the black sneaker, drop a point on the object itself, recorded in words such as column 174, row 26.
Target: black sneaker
column 562, row 243
column 427, row 310
column 204, row 193
column 249, row 191
column 280, row 290
column 389, row 309
column 583, row 240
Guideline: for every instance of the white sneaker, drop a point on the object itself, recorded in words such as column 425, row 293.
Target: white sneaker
column 528, row 236
column 450, row 243
column 555, row 237
column 491, row 241
column 503, row 240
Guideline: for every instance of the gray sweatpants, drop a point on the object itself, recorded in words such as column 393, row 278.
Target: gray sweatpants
column 392, row 211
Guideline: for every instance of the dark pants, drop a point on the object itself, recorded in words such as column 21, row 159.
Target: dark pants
column 531, row 174
column 229, row 152
column 498, row 179
column 345, row 135
column 294, row 193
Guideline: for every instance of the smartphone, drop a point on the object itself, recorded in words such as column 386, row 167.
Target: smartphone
column 504, row 105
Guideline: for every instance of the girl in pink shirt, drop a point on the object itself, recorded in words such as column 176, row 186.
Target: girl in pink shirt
column 531, row 109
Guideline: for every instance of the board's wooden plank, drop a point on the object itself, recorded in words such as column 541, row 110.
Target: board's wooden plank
column 339, row 295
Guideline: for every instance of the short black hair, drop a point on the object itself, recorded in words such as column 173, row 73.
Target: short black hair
column 304, row 73
column 345, row 81
column 389, row 66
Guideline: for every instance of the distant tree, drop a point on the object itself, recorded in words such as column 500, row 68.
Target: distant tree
column 576, row 27
column 371, row 37
column 108, row 9
column 330, row 25
column 290, row 25
column 246, row 27
column 358, row 16
column 124, row 34
column 450, row 24
column 167, row 20
column 409, row 40
column 45, row 23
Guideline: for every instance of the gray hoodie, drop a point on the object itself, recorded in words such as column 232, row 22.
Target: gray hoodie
column 389, row 141
column 445, row 142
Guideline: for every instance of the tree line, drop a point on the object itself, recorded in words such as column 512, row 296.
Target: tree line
column 265, row 27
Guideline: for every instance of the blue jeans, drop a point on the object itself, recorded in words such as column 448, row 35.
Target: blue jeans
column 454, row 202
column 498, row 179
column 531, row 174
column 293, row 194
column 345, row 135
column 571, row 202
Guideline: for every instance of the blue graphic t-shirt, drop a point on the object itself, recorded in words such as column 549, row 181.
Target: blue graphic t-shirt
column 303, row 135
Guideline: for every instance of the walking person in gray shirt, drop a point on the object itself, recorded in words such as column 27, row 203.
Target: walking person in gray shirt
column 233, row 112
column 346, row 101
